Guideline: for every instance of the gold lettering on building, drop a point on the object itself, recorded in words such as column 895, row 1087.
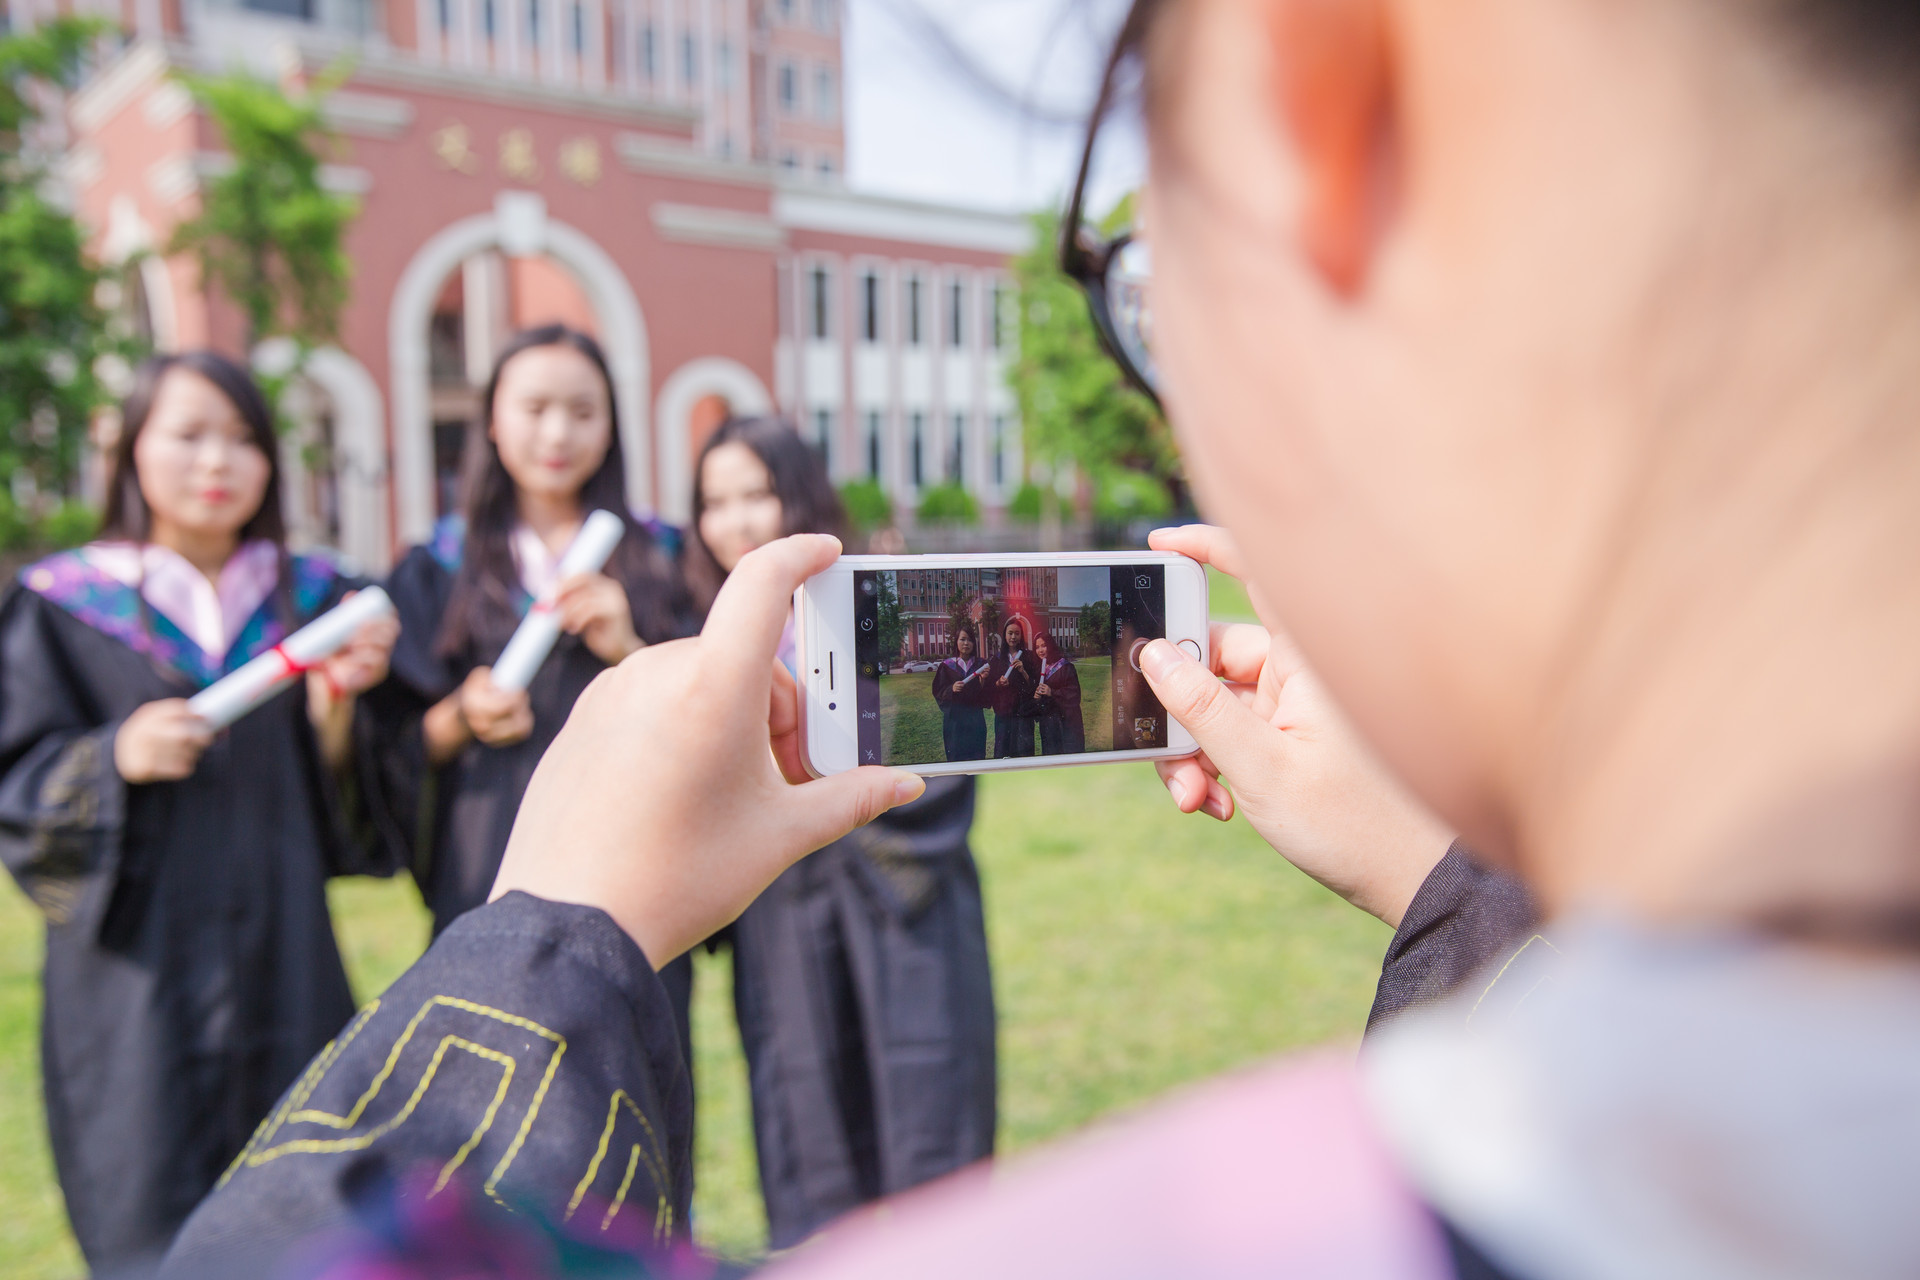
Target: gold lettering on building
column 455, row 149
column 580, row 160
column 516, row 155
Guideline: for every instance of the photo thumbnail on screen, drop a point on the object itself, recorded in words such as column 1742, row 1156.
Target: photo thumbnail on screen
column 959, row 664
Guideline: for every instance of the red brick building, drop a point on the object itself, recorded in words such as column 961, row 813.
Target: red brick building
column 665, row 173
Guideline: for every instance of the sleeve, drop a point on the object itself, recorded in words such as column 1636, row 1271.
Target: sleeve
column 63, row 803
column 942, row 684
column 389, row 727
column 1463, row 917
column 1066, row 694
column 530, row 1057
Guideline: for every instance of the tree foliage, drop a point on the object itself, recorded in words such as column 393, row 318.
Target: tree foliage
column 1096, row 626
column 268, row 233
column 1075, row 407
column 891, row 632
column 53, row 329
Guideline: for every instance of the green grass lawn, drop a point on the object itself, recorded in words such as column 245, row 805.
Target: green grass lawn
column 1134, row 950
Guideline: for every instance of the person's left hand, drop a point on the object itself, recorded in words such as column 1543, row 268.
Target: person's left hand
column 362, row 662
column 660, row 804
column 595, row 608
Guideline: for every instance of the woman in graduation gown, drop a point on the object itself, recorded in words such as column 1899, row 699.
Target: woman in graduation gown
column 1058, row 697
column 960, row 689
column 191, row 969
column 1015, row 672
column 860, row 976
column 545, row 452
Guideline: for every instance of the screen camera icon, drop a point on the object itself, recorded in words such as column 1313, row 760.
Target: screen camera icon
column 1143, row 582
column 866, row 624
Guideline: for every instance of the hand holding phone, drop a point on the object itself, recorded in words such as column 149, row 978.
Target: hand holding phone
column 1300, row 773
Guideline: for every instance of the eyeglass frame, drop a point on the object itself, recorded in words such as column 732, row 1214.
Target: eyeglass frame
column 1084, row 256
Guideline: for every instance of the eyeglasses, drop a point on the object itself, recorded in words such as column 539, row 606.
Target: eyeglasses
column 1113, row 273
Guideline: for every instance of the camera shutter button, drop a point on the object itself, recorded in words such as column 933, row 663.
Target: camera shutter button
column 1192, row 647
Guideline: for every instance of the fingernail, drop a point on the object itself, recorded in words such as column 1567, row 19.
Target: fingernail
column 1215, row 807
column 1159, row 659
column 1178, row 792
column 907, row 786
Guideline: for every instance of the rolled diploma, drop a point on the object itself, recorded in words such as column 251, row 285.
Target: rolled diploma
column 534, row 639
column 229, row 698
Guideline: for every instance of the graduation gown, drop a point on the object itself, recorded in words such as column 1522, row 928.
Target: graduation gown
column 963, row 718
column 191, row 970
column 463, row 811
column 1061, row 730
column 1014, row 713
column 865, row 1003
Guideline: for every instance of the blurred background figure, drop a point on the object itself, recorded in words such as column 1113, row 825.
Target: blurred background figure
column 861, row 980
column 191, row 971
column 543, row 454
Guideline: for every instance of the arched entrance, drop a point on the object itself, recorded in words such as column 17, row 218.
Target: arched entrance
column 688, row 401
column 518, row 227
column 337, row 469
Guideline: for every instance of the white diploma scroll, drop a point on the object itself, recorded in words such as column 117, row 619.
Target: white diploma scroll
column 540, row 629
column 229, row 698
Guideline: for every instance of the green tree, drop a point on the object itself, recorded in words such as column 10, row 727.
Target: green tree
column 990, row 624
column 268, row 233
column 892, row 632
column 1096, row 626
column 1075, row 407
column 948, row 503
column 960, row 612
column 53, row 329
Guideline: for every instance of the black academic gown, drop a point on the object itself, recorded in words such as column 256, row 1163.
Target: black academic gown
column 962, row 701
column 865, row 1003
column 191, row 970
column 1014, row 712
column 1061, row 729
column 463, row 811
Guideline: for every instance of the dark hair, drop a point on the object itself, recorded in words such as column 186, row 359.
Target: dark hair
column 126, row 516
column 808, row 501
column 481, row 611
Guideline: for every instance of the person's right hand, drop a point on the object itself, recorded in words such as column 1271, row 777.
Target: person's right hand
column 1300, row 774
column 160, row 742
column 675, row 792
column 498, row 717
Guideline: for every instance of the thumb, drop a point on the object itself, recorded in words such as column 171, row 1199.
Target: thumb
column 1225, row 729
column 828, row 808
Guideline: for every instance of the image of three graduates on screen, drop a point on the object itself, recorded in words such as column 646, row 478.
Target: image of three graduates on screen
column 1030, row 686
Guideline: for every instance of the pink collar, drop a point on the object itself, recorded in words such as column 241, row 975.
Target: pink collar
column 209, row 615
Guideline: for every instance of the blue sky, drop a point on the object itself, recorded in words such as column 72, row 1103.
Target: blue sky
column 918, row 126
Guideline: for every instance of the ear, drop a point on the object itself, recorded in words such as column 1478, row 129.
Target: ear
column 1333, row 91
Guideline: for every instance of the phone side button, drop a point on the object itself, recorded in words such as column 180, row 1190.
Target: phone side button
column 1192, row 647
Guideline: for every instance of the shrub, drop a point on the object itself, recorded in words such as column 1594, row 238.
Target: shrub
column 948, row 503
column 1131, row 495
column 867, row 504
column 1026, row 502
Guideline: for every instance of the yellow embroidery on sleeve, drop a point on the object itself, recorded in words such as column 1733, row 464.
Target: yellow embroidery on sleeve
column 655, row 1161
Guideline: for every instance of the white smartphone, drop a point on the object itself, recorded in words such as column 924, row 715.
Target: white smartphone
column 980, row 663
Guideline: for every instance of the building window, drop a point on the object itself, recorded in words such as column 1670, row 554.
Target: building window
column 826, row 165
column 870, row 306
column 689, row 60
column 486, row 17
column 956, row 314
column 446, row 16
column 723, row 64
column 649, row 52
column 579, row 31
column 918, row 435
column 821, row 317
column 826, row 94
column 533, row 24
column 999, row 324
column 959, row 448
column 999, row 450
column 789, row 159
column 913, row 312
column 789, row 88
column 823, row 14
column 785, row 9
column 873, row 444
column 726, row 146
column 823, row 437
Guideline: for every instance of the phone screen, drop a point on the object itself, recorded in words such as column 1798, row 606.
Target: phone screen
column 991, row 664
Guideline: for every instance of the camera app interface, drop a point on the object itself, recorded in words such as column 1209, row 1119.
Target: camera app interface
column 992, row 664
